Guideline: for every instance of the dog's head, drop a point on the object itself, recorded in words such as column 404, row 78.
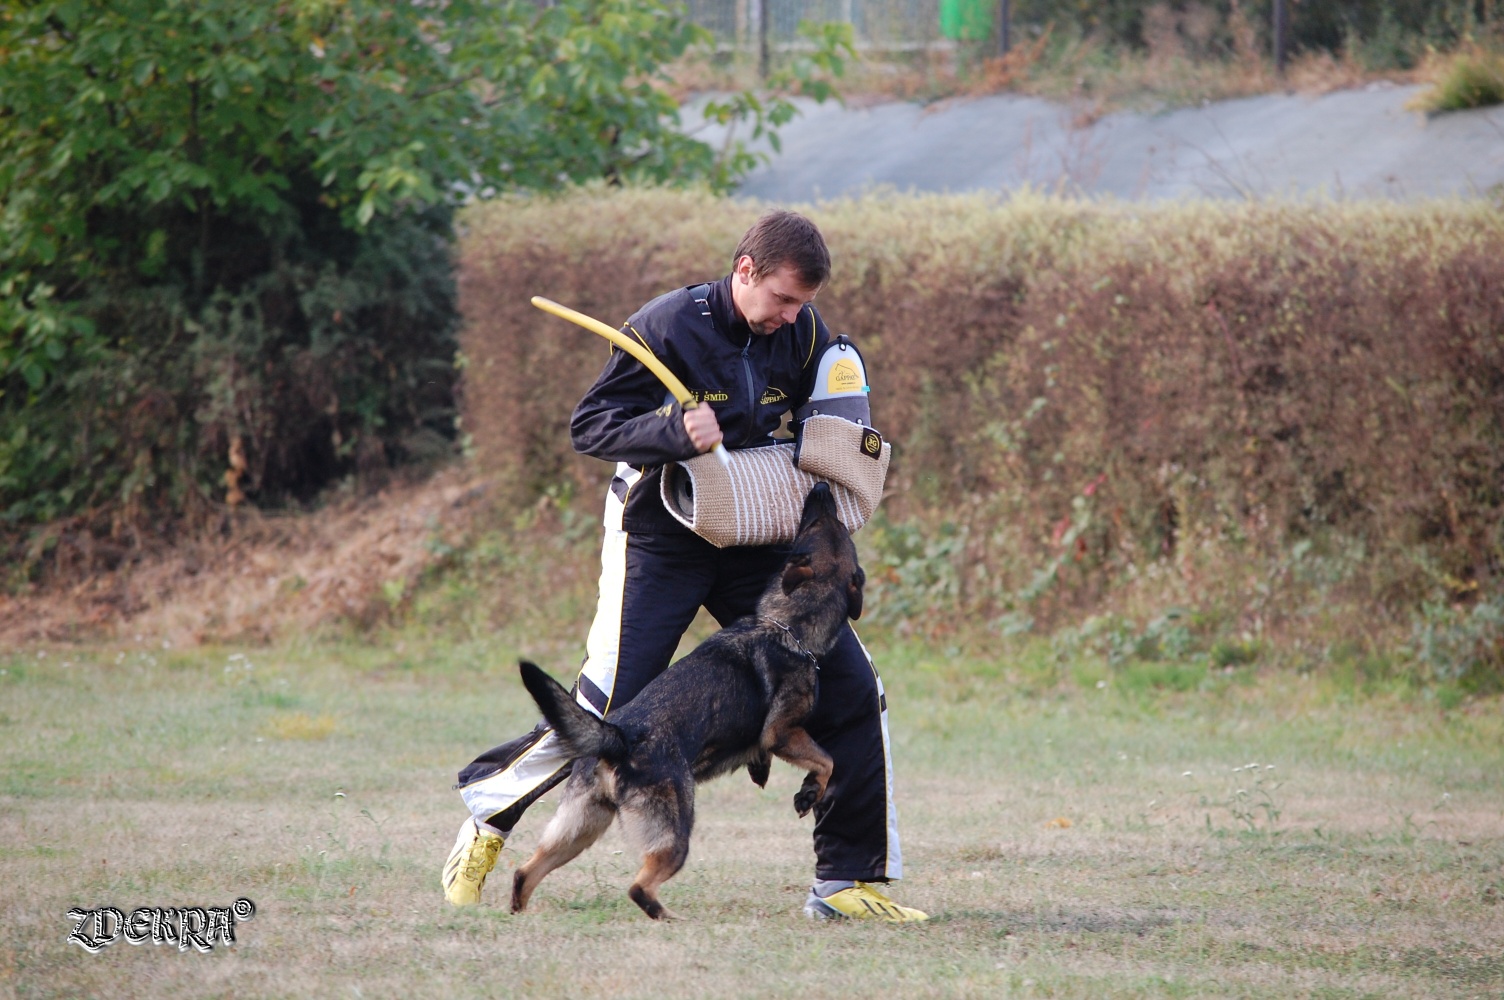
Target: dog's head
column 824, row 553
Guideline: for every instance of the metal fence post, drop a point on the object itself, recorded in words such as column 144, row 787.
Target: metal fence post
column 762, row 38
column 1004, row 26
column 1280, row 25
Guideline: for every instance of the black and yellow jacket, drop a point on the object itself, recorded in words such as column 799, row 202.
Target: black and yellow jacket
column 751, row 382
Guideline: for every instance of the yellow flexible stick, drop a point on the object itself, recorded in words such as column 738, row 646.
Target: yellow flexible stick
column 670, row 381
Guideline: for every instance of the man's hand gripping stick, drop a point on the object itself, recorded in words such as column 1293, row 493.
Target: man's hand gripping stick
column 670, row 381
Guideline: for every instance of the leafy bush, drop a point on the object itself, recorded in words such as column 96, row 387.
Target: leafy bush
column 224, row 227
column 1463, row 645
column 334, row 359
column 1471, row 78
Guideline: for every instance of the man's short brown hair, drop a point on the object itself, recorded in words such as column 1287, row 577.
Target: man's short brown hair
column 786, row 238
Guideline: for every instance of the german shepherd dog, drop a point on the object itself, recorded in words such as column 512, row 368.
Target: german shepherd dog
column 739, row 697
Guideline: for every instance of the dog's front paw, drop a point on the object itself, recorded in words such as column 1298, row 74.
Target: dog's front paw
column 809, row 793
column 758, row 769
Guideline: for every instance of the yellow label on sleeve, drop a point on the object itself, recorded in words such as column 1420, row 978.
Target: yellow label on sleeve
column 844, row 376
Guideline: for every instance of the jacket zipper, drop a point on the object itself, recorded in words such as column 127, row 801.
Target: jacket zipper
column 751, row 403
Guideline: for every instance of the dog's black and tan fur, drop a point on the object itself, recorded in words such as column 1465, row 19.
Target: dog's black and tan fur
column 742, row 695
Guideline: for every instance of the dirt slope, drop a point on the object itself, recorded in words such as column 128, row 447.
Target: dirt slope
column 347, row 562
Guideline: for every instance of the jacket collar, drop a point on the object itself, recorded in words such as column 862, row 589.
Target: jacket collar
column 723, row 313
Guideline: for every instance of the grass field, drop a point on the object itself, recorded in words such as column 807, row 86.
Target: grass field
column 1073, row 832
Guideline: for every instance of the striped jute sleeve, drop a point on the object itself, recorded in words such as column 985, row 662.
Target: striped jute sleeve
column 758, row 499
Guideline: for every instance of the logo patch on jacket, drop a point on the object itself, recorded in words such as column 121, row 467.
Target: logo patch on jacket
column 772, row 394
column 711, row 395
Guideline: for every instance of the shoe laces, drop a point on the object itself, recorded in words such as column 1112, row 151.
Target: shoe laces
column 480, row 859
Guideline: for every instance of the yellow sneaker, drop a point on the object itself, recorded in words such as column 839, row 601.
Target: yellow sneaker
column 861, row 902
column 472, row 859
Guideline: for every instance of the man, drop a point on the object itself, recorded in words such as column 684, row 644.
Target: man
column 747, row 345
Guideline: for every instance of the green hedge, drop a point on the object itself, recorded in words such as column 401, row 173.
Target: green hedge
column 1080, row 395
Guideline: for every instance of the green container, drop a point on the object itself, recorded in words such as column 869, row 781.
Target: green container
column 966, row 20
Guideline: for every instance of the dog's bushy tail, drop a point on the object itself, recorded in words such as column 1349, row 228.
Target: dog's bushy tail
column 582, row 733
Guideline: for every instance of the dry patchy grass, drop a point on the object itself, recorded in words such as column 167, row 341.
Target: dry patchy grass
column 1069, row 842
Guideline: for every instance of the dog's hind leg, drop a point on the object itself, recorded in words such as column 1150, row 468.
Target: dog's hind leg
column 582, row 817
column 658, row 820
column 657, row 868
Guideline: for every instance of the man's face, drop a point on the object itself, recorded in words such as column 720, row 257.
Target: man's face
column 768, row 302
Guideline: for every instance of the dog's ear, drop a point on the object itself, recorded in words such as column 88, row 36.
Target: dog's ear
column 796, row 572
column 854, row 594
